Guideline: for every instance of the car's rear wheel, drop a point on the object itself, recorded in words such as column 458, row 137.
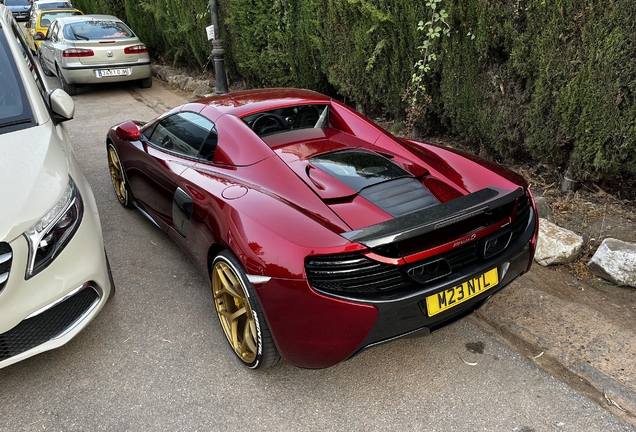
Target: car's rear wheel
column 118, row 178
column 145, row 83
column 240, row 314
column 71, row 89
column 45, row 68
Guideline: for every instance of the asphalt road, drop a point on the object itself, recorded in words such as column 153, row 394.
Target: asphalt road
column 155, row 359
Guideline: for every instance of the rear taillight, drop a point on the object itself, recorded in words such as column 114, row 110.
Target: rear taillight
column 78, row 52
column 41, row 34
column 136, row 49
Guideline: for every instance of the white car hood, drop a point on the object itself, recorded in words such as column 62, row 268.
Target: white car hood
column 33, row 175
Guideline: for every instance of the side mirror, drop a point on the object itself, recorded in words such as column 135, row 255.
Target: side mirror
column 62, row 106
column 128, row 131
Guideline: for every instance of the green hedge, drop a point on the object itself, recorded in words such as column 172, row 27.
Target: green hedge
column 553, row 79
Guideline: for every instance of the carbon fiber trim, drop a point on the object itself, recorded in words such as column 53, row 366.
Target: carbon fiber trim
column 433, row 218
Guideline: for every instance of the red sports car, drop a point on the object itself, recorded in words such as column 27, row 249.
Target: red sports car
column 322, row 234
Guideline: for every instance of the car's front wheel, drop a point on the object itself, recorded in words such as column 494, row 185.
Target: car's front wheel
column 118, row 178
column 240, row 314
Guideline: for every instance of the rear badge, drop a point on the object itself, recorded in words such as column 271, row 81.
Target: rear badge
column 464, row 241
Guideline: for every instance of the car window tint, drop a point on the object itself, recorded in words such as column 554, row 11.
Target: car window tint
column 55, row 5
column 87, row 30
column 209, row 145
column 52, row 30
column 288, row 118
column 48, row 17
column 15, row 110
column 182, row 132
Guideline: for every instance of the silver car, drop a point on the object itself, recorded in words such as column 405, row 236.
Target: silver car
column 19, row 8
column 93, row 49
column 54, row 275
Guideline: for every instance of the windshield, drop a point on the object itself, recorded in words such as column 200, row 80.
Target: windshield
column 17, row 3
column 87, row 30
column 15, row 111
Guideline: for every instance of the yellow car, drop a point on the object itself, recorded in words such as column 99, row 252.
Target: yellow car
column 39, row 24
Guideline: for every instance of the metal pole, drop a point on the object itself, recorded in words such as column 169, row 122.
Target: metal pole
column 218, row 52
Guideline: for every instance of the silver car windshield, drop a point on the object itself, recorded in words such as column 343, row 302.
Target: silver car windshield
column 91, row 30
column 17, row 3
column 15, row 111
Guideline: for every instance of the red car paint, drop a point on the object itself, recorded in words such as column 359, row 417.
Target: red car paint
column 264, row 199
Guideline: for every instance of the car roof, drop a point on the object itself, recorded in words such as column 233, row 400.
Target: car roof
column 246, row 102
column 85, row 18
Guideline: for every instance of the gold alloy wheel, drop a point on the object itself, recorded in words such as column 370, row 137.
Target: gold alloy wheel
column 235, row 312
column 117, row 176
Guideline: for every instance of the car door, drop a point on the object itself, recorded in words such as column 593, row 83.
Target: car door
column 47, row 47
column 167, row 150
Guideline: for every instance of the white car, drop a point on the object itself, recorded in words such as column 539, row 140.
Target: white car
column 54, row 274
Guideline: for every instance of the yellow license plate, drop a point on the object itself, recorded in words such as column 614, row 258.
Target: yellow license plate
column 446, row 299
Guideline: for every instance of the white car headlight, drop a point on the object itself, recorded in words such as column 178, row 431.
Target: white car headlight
column 48, row 236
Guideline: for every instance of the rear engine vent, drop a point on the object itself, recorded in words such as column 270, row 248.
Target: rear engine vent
column 400, row 196
column 520, row 222
column 354, row 274
column 6, row 258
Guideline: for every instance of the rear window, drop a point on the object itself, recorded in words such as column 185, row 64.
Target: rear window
column 48, row 17
column 88, row 30
column 288, row 118
column 54, row 5
column 15, row 110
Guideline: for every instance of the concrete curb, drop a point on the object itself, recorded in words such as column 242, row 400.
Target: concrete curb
column 568, row 329
column 197, row 87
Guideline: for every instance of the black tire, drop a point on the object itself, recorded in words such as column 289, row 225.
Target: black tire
column 118, row 177
column 71, row 89
column 145, row 83
column 45, row 69
column 249, row 338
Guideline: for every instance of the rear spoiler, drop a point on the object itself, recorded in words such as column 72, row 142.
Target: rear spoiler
column 433, row 218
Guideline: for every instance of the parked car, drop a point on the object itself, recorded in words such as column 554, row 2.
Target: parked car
column 19, row 8
column 39, row 23
column 93, row 49
column 322, row 234
column 54, row 275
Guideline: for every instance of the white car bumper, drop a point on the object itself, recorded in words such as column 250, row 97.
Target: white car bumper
column 49, row 309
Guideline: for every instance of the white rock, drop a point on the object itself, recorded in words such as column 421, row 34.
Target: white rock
column 556, row 245
column 615, row 260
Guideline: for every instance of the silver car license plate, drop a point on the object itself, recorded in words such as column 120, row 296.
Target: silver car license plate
column 111, row 72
